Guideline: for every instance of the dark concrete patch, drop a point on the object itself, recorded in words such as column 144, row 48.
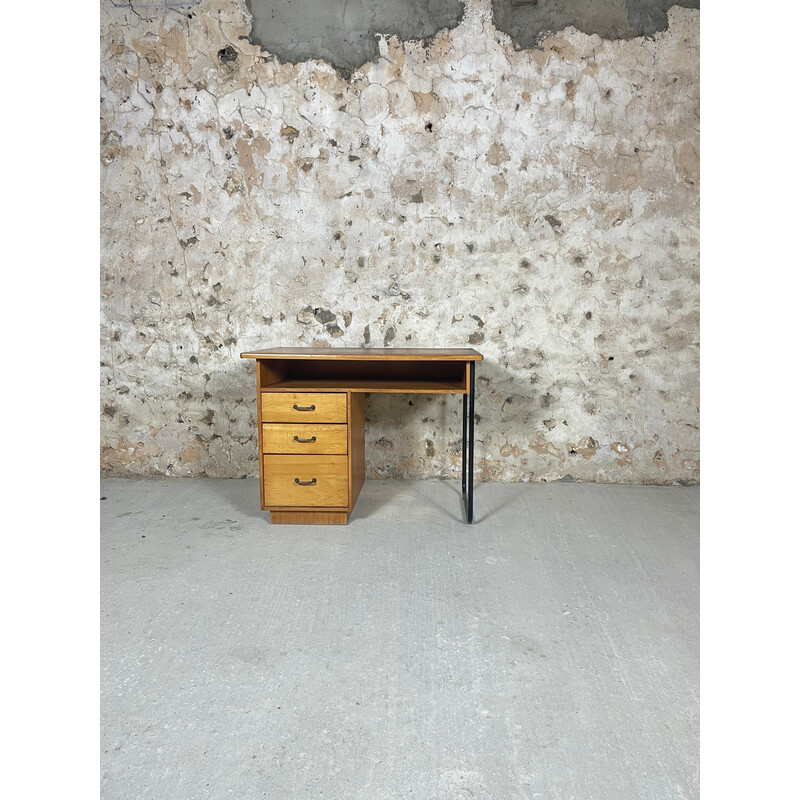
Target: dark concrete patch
column 526, row 21
column 344, row 33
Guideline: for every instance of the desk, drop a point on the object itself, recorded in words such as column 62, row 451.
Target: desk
column 311, row 404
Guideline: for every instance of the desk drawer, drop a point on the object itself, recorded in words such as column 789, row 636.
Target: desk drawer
column 303, row 407
column 295, row 437
column 305, row 481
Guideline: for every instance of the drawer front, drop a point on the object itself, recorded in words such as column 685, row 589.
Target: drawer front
column 295, row 437
column 303, row 407
column 305, row 481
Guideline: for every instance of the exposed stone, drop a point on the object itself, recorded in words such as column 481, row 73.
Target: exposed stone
column 227, row 54
column 334, row 331
column 586, row 447
column 323, row 315
column 497, row 154
column 306, row 316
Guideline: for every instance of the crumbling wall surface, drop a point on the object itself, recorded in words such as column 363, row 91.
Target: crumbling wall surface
column 540, row 204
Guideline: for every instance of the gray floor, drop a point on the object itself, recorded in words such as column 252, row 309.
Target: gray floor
column 549, row 651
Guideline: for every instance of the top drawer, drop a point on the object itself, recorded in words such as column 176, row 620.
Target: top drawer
column 303, row 407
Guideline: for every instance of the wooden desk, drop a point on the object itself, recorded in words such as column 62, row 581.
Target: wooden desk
column 311, row 421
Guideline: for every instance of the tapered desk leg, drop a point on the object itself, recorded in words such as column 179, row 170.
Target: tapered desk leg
column 468, row 444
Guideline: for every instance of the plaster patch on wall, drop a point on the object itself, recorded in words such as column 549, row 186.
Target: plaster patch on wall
column 542, row 204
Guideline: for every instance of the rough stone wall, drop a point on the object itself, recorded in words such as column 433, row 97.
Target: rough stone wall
column 541, row 205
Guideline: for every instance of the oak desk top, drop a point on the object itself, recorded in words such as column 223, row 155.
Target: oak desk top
column 369, row 353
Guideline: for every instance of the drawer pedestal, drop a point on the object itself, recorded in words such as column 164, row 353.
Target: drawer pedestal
column 312, row 455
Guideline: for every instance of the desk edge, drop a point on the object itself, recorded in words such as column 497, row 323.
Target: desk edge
column 435, row 355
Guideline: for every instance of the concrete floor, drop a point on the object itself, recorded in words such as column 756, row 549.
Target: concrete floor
column 549, row 651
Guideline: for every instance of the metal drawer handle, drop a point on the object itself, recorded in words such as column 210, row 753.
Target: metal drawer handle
column 305, row 441
column 302, row 408
column 305, row 483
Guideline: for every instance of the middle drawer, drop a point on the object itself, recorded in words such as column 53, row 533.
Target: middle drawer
column 296, row 437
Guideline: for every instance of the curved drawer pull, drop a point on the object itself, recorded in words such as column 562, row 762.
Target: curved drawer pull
column 305, row 441
column 302, row 408
column 305, row 483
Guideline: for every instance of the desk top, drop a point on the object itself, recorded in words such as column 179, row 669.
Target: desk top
column 368, row 353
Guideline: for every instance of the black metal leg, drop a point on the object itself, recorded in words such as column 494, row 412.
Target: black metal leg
column 468, row 444
column 471, row 439
column 464, row 445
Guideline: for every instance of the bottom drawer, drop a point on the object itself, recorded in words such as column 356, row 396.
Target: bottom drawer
column 305, row 481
